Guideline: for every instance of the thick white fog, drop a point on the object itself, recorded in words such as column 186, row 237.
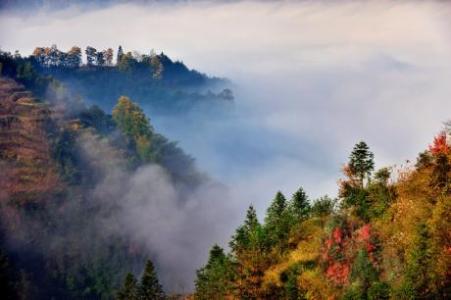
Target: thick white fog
column 310, row 78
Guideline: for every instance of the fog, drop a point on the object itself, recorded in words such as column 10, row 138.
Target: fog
column 310, row 80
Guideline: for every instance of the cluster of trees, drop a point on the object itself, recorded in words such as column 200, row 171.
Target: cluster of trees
column 384, row 237
column 52, row 57
column 153, row 79
column 149, row 288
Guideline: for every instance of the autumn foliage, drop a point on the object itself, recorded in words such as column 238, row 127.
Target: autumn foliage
column 386, row 239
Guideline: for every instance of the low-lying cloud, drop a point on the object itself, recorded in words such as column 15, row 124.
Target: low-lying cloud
column 311, row 79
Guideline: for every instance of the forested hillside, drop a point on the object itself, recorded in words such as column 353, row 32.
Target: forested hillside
column 156, row 82
column 387, row 236
column 68, row 174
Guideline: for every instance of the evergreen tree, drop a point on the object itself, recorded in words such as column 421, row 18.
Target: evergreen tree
column 149, row 287
column 277, row 221
column 361, row 161
column 120, row 53
column 129, row 290
column 249, row 246
column 299, row 204
column 214, row 280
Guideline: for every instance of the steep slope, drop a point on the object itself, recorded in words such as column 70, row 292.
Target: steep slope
column 28, row 172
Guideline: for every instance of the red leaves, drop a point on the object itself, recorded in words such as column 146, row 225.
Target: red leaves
column 440, row 145
column 341, row 248
column 338, row 267
column 364, row 236
column 338, row 272
column 337, row 234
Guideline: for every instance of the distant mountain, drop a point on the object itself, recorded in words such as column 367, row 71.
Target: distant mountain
column 153, row 80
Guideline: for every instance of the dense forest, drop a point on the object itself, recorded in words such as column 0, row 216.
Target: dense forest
column 62, row 232
column 385, row 237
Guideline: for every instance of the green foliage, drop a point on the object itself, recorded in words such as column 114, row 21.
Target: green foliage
column 132, row 121
column 149, row 287
column 214, row 281
column 361, row 161
column 418, row 259
column 277, row 221
column 299, row 205
column 129, row 290
column 323, row 206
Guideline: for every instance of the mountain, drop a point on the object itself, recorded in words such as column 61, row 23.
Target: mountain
column 157, row 83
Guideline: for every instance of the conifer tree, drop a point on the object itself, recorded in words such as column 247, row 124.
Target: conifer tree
column 214, row 280
column 129, row 290
column 149, row 287
column 361, row 161
column 277, row 221
column 120, row 53
column 299, row 204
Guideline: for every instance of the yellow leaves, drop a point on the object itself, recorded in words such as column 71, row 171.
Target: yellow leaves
column 317, row 286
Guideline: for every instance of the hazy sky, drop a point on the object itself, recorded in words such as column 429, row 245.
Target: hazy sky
column 311, row 79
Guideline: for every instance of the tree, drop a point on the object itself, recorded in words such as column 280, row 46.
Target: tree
column 129, row 290
column 361, row 161
column 54, row 56
column 100, row 58
column 109, row 56
column 150, row 288
column 91, row 55
column 322, row 207
column 120, row 53
column 277, row 221
column 157, row 66
column 250, row 247
column 299, row 205
column 132, row 121
column 214, row 280
column 74, row 57
column 39, row 55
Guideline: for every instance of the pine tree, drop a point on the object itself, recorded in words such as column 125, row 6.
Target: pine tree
column 150, row 288
column 361, row 161
column 120, row 53
column 277, row 221
column 299, row 204
column 249, row 246
column 129, row 290
column 214, row 280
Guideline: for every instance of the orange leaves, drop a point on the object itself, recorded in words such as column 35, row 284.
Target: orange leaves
column 440, row 144
column 338, row 272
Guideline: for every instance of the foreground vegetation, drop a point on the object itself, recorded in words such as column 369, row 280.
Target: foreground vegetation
column 387, row 236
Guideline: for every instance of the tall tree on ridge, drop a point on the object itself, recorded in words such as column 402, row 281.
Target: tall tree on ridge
column 91, row 55
column 361, row 161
